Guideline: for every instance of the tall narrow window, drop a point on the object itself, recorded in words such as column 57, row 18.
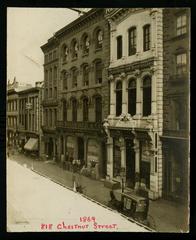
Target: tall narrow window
column 74, row 48
column 65, row 53
column 181, row 63
column 132, row 97
column 132, row 41
column 55, row 117
column 46, row 78
column 55, row 75
column 99, row 38
column 146, row 37
column 119, row 47
column 98, row 109
column 50, row 76
column 65, row 75
column 74, row 77
column 118, row 98
column 181, row 25
column 64, row 111
column 86, row 75
column 98, row 72
column 74, row 110
column 147, row 96
column 86, row 44
column 55, row 92
column 85, row 109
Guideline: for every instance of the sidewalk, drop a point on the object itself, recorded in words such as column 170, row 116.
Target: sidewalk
column 169, row 216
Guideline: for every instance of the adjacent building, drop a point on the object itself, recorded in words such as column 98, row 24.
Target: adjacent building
column 76, row 91
column 30, row 118
column 176, row 73
column 12, row 111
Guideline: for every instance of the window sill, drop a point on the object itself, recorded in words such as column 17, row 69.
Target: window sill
column 85, row 55
column 98, row 49
column 74, row 59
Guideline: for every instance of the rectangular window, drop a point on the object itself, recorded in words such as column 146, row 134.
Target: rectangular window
column 50, row 93
column 181, row 25
column 132, row 41
column 119, row 47
column 146, row 38
column 54, row 54
column 98, row 72
column 181, row 63
column 55, row 92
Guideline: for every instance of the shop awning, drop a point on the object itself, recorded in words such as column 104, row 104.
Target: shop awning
column 32, row 144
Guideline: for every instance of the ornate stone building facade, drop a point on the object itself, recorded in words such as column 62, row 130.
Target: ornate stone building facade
column 135, row 123
column 81, row 102
column 176, row 46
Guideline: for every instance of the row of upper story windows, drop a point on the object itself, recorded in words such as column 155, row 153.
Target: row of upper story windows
column 52, row 55
column 85, row 109
column 181, row 24
column 72, row 75
column 12, row 121
column 132, row 41
column 12, row 105
column 72, row 51
column 51, row 75
column 132, row 97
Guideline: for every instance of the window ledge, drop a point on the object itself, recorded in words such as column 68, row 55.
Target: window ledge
column 98, row 49
column 85, row 54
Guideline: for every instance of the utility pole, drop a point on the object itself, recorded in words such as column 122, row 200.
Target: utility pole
column 80, row 11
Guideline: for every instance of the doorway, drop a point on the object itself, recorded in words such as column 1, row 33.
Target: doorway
column 81, row 150
column 130, row 163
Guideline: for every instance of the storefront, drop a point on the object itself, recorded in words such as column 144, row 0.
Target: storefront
column 175, row 156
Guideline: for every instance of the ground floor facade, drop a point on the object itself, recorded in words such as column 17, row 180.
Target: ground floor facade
column 12, row 138
column 66, row 146
column 135, row 157
column 175, row 168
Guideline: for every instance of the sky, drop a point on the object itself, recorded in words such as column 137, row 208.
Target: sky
column 27, row 30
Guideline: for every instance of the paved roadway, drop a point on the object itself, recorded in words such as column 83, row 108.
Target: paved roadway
column 37, row 204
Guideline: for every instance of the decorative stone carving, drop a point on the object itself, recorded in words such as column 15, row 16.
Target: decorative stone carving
column 111, row 78
column 137, row 73
column 122, row 75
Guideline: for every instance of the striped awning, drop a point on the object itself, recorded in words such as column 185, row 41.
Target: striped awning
column 32, row 144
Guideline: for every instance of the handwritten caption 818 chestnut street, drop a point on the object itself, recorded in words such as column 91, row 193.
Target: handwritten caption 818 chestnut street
column 85, row 224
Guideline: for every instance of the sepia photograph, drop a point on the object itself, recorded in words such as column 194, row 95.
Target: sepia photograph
column 98, row 119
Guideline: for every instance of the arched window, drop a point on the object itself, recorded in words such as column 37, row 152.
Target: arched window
column 64, row 78
column 118, row 98
column 132, row 41
column 74, row 77
column 65, row 53
column 74, row 48
column 147, row 96
column 146, row 37
column 132, row 97
column 98, row 71
column 85, row 109
column 86, row 44
column 98, row 109
column 99, row 38
column 64, row 111
column 85, row 75
column 74, row 110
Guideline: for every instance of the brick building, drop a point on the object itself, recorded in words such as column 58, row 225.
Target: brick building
column 134, row 125
column 176, row 46
column 13, row 111
column 30, row 117
column 76, row 91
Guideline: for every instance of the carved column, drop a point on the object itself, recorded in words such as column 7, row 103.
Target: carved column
column 138, row 93
column 112, row 96
column 153, row 82
column 110, row 157
column 124, row 93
